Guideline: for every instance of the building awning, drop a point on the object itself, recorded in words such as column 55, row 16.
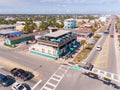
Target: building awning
column 71, row 49
column 75, row 46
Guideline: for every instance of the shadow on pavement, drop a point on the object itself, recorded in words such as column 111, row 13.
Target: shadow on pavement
column 114, row 85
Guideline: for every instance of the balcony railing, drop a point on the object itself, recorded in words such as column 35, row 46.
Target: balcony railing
column 57, row 44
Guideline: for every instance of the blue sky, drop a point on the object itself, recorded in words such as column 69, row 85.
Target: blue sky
column 59, row 6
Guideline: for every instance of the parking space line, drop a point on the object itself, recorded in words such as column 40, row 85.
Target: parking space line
column 36, row 84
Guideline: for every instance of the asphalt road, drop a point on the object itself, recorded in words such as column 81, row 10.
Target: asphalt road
column 75, row 80
column 45, row 68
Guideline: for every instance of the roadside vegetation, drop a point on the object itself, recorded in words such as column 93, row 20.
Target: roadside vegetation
column 83, row 54
column 86, row 49
column 96, row 37
column 118, row 24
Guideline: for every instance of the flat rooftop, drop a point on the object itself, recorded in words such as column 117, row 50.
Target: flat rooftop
column 7, row 31
column 57, row 33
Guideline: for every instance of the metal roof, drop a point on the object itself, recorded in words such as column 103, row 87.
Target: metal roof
column 57, row 33
column 7, row 31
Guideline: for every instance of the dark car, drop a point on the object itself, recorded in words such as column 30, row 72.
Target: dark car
column 17, row 72
column 111, row 36
column 27, row 76
column 8, row 80
column 1, row 78
column 88, row 66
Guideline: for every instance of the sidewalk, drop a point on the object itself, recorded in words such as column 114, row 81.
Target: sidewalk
column 117, row 50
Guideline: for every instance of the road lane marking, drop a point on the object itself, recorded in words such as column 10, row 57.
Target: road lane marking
column 51, row 84
column 55, row 79
column 47, row 88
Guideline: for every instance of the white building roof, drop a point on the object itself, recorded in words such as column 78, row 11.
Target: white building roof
column 57, row 33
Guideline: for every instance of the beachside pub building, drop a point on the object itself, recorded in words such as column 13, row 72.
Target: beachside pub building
column 55, row 44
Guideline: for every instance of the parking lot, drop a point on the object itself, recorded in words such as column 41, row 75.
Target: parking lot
column 4, row 71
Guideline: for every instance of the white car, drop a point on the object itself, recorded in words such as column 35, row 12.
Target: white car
column 98, row 48
column 20, row 86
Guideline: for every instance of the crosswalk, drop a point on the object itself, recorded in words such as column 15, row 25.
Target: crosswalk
column 55, row 79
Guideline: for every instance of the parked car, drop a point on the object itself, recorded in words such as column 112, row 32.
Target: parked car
column 98, row 48
column 8, row 80
column 112, row 36
column 1, row 77
column 17, row 72
column 20, row 86
column 25, row 75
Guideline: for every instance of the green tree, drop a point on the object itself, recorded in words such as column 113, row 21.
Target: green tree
column 93, row 30
column 43, row 26
column 95, row 24
column 29, row 26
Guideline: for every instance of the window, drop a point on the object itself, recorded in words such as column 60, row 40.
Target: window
column 54, row 53
column 43, row 50
column 49, row 51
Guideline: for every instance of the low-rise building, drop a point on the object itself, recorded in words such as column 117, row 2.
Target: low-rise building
column 10, row 41
column 83, row 33
column 56, row 44
column 7, row 27
column 10, row 32
column 70, row 23
column 20, row 27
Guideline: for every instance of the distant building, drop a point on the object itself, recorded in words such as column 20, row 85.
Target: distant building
column 70, row 24
column 52, row 29
column 9, row 18
column 56, row 44
column 7, row 27
column 19, row 27
column 103, row 19
column 20, row 22
column 38, row 23
column 83, row 20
